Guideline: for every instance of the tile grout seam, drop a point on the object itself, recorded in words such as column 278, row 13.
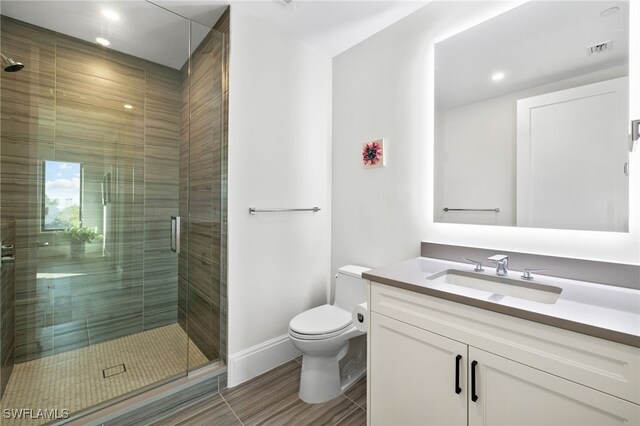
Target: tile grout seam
column 232, row 410
column 347, row 415
column 358, row 405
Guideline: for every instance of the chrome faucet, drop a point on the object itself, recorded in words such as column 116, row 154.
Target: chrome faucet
column 502, row 263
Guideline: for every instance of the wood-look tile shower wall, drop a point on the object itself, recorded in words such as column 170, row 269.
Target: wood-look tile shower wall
column 7, row 304
column 67, row 104
column 202, row 194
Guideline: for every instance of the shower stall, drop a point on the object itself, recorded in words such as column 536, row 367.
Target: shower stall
column 113, row 151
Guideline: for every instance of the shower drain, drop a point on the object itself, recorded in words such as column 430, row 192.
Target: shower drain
column 112, row 371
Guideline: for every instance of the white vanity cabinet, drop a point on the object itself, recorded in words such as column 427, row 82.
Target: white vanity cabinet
column 429, row 357
column 511, row 393
column 413, row 378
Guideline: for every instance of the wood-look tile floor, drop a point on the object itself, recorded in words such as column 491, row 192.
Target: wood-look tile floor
column 272, row 399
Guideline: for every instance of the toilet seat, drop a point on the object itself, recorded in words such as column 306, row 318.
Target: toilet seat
column 320, row 323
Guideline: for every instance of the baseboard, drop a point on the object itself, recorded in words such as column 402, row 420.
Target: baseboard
column 258, row 359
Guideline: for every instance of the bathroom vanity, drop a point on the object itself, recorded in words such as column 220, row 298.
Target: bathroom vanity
column 445, row 350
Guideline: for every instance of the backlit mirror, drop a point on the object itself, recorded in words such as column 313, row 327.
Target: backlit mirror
column 531, row 119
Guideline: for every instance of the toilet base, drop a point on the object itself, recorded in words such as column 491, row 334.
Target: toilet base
column 324, row 378
column 317, row 386
column 320, row 377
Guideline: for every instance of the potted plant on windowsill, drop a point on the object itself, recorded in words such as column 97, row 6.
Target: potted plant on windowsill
column 78, row 236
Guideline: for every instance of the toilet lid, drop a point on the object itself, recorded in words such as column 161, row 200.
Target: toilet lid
column 321, row 320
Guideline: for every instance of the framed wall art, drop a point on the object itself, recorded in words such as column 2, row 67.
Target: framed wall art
column 373, row 154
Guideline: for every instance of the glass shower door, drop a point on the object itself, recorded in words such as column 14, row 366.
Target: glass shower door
column 89, row 159
column 201, row 185
column 99, row 148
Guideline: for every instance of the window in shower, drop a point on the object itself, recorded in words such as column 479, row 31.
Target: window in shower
column 62, row 195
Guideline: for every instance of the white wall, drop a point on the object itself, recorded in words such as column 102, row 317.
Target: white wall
column 383, row 88
column 279, row 156
column 380, row 90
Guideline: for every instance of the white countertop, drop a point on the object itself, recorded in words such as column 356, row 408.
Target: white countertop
column 604, row 311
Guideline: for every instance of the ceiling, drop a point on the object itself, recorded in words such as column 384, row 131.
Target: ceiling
column 331, row 26
column 534, row 44
column 142, row 30
column 157, row 30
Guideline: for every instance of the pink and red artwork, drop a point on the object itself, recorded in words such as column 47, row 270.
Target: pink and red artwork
column 373, row 153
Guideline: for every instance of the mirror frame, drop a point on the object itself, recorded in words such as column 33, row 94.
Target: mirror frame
column 613, row 247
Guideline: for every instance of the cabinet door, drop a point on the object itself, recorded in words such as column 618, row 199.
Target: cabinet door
column 413, row 376
column 509, row 393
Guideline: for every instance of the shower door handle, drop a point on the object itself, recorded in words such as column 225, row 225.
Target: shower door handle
column 175, row 234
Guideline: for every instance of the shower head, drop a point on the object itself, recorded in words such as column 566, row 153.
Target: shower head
column 9, row 65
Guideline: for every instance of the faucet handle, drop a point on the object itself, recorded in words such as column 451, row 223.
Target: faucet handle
column 498, row 257
column 526, row 273
column 502, row 263
column 478, row 264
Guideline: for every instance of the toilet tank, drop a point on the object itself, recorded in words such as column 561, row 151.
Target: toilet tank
column 351, row 288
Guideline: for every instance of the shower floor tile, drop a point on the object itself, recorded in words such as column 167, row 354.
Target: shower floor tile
column 75, row 380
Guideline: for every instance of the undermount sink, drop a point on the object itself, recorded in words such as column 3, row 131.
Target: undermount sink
column 498, row 286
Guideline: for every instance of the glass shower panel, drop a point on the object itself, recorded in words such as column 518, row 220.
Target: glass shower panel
column 207, row 64
column 90, row 170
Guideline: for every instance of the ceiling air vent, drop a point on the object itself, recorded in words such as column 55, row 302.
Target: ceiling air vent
column 599, row 48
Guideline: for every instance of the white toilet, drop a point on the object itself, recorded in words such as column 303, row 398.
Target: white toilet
column 323, row 336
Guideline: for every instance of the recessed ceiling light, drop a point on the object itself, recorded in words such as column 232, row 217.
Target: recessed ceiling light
column 102, row 41
column 110, row 14
column 610, row 11
column 497, row 76
column 128, row 106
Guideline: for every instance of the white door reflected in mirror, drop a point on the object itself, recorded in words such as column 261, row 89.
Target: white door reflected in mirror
column 572, row 151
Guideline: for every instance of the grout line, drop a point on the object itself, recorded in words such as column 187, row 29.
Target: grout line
column 286, row 382
column 352, row 386
column 357, row 405
column 232, row 410
column 364, row 408
column 347, row 415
